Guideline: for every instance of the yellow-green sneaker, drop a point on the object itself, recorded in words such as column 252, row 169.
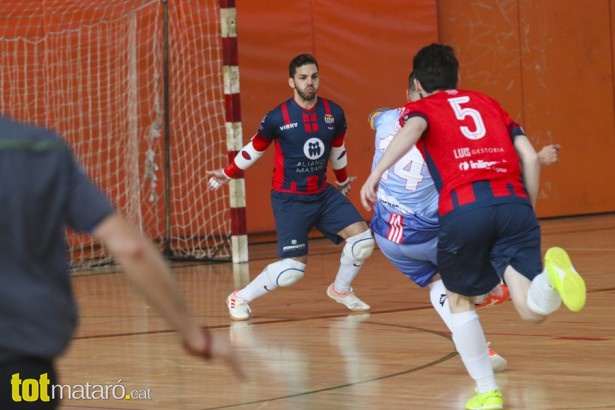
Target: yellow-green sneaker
column 564, row 279
column 491, row 400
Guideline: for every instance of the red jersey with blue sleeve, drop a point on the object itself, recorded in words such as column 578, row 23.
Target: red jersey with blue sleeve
column 303, row 142
column 468, row 146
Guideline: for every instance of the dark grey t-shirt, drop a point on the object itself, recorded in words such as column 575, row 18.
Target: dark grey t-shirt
column 43, row 190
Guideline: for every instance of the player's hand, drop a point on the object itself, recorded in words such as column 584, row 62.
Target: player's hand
column 549, row 154
column 369, row 192
column 217, row 178
column 211, row 346
column 345, row 187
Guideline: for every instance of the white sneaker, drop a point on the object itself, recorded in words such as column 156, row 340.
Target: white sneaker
column 238, row 308
column 498, row 363
column 349, row 299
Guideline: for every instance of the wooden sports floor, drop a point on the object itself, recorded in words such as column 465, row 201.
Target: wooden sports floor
column 303, row 351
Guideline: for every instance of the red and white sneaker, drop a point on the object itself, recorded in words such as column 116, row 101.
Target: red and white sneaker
column 498, row 363
column 348, row 299
column 497, row 296
column 238, row 308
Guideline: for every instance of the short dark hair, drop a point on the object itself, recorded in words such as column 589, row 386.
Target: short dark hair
column 300, row 60
column 436, row 67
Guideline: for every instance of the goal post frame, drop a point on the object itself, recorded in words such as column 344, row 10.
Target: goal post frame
column 234, row 134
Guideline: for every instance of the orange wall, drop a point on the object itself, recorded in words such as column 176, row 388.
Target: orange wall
column 556, row 81
column 550, row 63
column 364, row 51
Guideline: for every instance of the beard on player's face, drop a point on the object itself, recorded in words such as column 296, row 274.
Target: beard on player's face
column 307, row 95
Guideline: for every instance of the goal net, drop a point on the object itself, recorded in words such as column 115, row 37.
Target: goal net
column 94, row 71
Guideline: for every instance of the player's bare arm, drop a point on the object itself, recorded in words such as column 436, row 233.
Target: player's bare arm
column 150, row 274
column 530, row 166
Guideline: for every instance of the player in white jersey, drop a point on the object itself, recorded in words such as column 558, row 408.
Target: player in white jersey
column 405, row 221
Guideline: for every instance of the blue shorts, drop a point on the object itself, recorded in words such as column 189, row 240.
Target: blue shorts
column 297, row 214
column 476, row 246
column 416, row 261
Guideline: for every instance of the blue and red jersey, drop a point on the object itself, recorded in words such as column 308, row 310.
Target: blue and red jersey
column 303, row 141
column 468, row 147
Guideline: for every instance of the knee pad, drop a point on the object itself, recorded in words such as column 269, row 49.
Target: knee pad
column 285, row 272
column 360, row 246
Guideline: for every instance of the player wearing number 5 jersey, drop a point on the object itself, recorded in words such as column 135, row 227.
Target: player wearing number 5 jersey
column 469, row 170
column 487, row 174
column 308, row 133
column 405, row 221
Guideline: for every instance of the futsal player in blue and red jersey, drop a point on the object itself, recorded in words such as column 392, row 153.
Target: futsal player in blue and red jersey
column 487, row 175
column 405, row 222
column 308, row 133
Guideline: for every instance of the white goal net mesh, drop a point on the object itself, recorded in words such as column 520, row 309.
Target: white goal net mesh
column 94, row 71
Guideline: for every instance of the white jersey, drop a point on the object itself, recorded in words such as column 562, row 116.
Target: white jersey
column 407, row 208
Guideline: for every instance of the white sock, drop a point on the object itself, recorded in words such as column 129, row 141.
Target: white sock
column 346, row 273
column 437, row 295
column 472, row 347
column 541, row 298
column 260, row 286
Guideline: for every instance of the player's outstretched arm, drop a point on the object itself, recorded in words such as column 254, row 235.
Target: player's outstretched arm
column 149, row 272
column 244, row 159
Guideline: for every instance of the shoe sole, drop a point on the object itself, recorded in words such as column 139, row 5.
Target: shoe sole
column 572, row 287
column 357, row 310
column 492, row 406
column 236, row 318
